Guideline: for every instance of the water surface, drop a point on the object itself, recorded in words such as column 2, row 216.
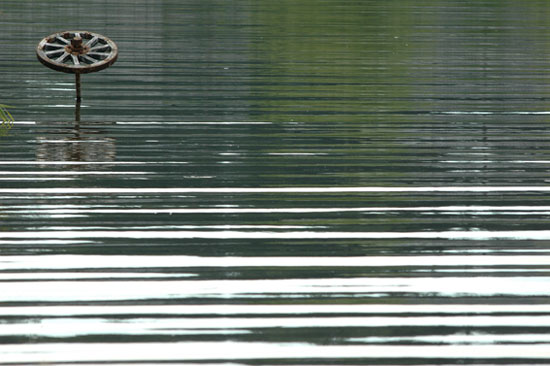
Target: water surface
column 278, row 183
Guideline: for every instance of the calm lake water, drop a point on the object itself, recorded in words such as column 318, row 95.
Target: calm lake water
column 259, row 182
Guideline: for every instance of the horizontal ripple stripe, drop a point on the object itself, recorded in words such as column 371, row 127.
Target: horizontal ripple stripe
column 527, row 210
column 226, row 234
column 148, row 325
column 273, row 289
column 140, row 261
column 278, row 190
column 177, row 351
column 267, row 310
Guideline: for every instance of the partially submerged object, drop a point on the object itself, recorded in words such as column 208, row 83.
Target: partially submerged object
column 77, row 52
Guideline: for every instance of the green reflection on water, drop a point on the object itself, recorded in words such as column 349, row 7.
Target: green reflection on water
column 301, row 61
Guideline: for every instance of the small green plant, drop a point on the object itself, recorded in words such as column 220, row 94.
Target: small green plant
column 6, row 120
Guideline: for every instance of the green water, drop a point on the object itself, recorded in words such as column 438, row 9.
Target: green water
column 278, row 183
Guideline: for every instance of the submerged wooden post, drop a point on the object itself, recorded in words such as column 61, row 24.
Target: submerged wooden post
column 77, row 82
column 77, row 111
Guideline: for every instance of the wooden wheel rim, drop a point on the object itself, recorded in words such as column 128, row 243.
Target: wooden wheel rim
column 96, row 53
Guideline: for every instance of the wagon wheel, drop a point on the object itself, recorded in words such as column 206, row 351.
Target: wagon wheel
column 77, row 52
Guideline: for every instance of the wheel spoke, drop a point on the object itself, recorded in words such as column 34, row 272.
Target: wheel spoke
column 89, row 59
column 96, row 48
column 92, row 41
column 53, row 52
column 53, row 45
column 62, row 57
column 62, row 39
column 75, row 60
column 101, row 54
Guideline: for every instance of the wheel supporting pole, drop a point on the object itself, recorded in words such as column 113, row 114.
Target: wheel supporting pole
column 77, row 82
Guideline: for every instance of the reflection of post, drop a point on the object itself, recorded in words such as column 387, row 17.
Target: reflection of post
column 77, row 82
column 66, row 142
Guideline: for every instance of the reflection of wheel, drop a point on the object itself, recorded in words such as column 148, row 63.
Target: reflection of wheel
column 77, row 52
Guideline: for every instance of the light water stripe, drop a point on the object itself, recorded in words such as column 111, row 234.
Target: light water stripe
column 228, row 234
column 495, row 161
column 74, row 327
column 221, row 210
column 47, row 242
column 42, row 140
column 24, row 122
column 185, row 227
column 177, row 261
column 457, row 189
column 472, row 338
column 267, row 310
column 90, row 162
column 72, row 172
column 230, row 350
column 189, row 123
column 47, row 179
column 493, row 112
column 326, row 288
column 47, row 276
